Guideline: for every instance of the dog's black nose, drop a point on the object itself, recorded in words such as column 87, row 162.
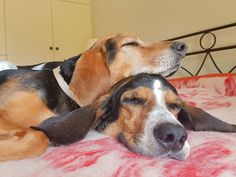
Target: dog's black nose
column 171, row 136
column 179, row 47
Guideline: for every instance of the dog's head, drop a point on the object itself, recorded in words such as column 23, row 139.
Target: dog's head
column 111, row 59
column 126, row 55
column 142, row 112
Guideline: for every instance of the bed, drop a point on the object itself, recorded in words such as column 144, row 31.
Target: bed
column 212, row 153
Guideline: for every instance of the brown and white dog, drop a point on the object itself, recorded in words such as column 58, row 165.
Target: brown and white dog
column 30, row 97
column 144, row 112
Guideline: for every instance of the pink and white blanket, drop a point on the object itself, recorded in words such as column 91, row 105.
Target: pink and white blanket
column 212, row 153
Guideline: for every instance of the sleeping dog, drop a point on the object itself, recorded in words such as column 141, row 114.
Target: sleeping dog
column 144, row 112
column 30, row 97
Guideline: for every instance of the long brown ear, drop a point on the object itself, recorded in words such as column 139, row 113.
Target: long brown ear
column 91, row 77
column 72, row 126
column 68, row 127
column 194, row 118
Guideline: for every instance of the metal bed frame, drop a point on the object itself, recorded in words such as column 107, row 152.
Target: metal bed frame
column 207, row 50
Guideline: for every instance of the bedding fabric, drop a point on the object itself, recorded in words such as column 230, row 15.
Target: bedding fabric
column 212, row 153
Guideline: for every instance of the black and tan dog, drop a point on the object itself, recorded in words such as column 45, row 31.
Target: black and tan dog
column 144, row 112
column 30, row 97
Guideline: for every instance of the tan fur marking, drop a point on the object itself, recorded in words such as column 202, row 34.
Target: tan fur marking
column 17, row 142
column 18, row 110
column 24, row 108
column 172, row 98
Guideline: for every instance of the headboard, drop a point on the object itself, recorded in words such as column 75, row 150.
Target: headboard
column 204, row 44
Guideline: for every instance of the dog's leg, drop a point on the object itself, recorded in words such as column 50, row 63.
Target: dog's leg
column 194, row 118
column 18, row 142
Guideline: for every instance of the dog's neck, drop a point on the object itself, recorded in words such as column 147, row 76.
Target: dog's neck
column 64, row 85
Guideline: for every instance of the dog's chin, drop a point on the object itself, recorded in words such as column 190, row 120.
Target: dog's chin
column 170, row 71
column 181, row 154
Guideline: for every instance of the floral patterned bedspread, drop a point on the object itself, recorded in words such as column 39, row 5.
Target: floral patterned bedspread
column 212, row 153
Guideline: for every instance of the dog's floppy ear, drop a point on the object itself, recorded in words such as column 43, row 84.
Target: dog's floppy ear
column 72, row 126
column 68, row 127
column 194, row 118
column 91, row 77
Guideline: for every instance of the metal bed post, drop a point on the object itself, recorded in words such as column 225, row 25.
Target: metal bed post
column 208, row 50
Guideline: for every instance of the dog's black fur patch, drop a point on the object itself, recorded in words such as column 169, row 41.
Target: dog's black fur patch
column 48, row 65
column 67, row 68
column 5, row 74
column 111, row 48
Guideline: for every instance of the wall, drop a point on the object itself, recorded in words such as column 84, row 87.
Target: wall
column 2, row 32
column 155, row 20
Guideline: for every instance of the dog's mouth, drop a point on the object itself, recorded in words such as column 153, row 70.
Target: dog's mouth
column 182, row 154
column 168, row 62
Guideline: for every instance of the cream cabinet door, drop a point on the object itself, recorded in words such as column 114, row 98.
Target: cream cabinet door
column 2, row 32
column 29, row 31
column 71, row 27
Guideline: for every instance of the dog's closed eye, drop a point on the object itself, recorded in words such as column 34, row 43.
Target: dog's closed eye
column 132, row 43
column 133, row 100
column 174, row 106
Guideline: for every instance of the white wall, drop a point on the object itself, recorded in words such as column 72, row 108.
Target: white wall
column 155, row 20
